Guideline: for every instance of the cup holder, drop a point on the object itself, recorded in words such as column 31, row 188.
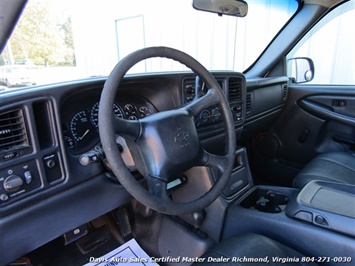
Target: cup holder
column 265, row 201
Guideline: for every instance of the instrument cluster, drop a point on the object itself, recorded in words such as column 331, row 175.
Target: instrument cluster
column 81, row 127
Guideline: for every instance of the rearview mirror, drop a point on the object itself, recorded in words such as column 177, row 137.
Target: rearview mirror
column 236, row 8
column 300, row 69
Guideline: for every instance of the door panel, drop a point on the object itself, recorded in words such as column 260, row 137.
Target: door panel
column 316, row 119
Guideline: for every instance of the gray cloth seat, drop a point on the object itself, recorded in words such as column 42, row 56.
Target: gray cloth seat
column 251, row 249
column 333, row 167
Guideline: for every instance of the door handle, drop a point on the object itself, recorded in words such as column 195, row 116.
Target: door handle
column 325, row 112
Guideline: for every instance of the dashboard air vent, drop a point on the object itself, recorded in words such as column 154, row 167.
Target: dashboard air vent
column 248, row 105
column 235, row 89
column 189, row 89
column 12, row 131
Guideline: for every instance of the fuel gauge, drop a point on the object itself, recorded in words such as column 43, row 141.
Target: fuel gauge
column 67, row 137
column 69, row 141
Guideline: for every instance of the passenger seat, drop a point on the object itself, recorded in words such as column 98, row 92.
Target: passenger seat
column 334, row 167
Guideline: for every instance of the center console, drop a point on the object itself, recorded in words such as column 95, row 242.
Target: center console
column 326, row 204
column 317, row 220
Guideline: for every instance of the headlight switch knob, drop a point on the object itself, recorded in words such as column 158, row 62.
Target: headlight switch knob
column 13, row 183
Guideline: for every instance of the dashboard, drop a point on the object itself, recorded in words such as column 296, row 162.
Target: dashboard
column 58, row 124
column 45, row 130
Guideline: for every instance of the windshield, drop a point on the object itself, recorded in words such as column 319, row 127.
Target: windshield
column 66, row 40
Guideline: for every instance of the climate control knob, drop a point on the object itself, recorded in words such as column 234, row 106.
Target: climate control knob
column 13, row 183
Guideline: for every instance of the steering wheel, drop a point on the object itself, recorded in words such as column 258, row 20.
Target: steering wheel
column 166, row 143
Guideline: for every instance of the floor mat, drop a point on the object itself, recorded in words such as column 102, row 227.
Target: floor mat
column 128, row 253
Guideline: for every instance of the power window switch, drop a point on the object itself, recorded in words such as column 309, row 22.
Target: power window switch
column 339, row 103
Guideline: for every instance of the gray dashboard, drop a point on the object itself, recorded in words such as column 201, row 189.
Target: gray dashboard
column 44, row 187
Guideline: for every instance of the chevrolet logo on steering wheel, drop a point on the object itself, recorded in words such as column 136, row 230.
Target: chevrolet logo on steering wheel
column 182, row 137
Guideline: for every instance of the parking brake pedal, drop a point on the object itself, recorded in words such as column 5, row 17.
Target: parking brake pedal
column 75, row 234
column 124, row 225
column 94, row 239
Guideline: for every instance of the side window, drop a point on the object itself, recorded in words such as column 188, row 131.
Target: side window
column 330, row 45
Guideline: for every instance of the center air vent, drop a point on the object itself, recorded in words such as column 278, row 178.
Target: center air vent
column 12, row 131
column 235, row 89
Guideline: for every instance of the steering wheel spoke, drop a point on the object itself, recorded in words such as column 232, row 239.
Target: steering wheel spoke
column 198, row 105
column 219, row 162
column 127, row 128
column 157, row 187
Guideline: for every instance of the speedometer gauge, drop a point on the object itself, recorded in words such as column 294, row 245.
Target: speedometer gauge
column 95, row 113
column 81, row 128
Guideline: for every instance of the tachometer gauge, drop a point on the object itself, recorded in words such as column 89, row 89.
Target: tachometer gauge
column 95, row 113
column 81, row 128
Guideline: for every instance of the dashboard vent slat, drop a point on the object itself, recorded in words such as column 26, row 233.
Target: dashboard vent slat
column 12, row 130
column 235, row 89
